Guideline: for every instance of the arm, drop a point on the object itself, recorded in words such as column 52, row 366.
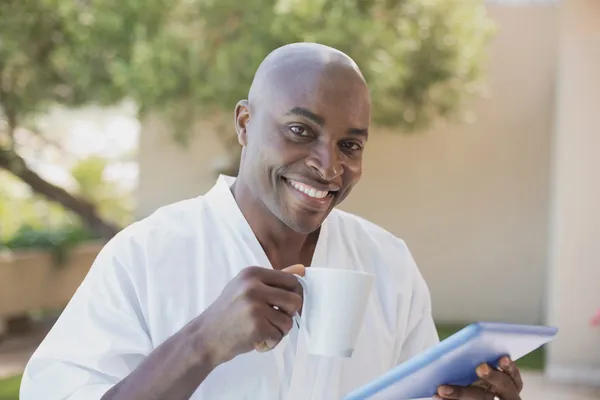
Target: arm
column 240, row 320
column 173, row 371
column 100, row 336
column 100, row 347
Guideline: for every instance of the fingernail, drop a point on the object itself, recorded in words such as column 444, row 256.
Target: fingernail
column 265, row 345
column 483, row 370
column 505, row 362
column 446, row 390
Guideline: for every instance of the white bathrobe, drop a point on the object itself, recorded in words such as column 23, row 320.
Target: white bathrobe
column 163, row 271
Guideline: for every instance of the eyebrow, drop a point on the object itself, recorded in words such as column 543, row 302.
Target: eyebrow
column 359, row 132
column 307, row 114
column 317, row 119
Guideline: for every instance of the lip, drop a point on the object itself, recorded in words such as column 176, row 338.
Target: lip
column 316, row 185
column 311, row 202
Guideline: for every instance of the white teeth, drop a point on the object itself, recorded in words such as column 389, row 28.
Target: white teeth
column 308, row 190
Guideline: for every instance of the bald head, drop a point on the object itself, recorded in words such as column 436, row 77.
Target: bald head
column 301, row 64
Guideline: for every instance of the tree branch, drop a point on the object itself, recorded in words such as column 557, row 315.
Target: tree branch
column 16, row 165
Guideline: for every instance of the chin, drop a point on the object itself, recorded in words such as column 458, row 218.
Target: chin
column 305, row 225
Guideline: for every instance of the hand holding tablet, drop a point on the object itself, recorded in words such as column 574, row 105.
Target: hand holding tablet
column 455, row 360
column 503, row 383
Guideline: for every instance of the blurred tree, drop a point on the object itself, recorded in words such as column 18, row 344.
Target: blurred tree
column 20, row 208
column 63, row 52
column 92, row 185
column 192, row 59
column 420, row 57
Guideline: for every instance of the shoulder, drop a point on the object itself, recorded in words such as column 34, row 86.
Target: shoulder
column 178, row 218
column 167, row 229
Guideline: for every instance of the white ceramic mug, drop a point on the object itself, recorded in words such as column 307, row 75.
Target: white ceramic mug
column 335, row 301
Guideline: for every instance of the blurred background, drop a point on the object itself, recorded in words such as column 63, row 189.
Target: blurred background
column 483, row 156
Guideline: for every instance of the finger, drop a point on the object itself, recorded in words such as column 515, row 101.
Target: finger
column 297, row 269
column 288, row 302
column 510, row 367
column 272, row 277
column 274, row 327
column 500, row 382
column 483, row 384
column 264, row 345
column 279, row 320
column 464, row 393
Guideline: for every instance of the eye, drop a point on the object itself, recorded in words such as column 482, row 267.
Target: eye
column 299, row 130
column 353, row 146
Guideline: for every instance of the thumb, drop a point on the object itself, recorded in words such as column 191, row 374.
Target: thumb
column 297, row 269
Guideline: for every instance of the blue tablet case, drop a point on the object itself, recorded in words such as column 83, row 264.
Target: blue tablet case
column 454, row 360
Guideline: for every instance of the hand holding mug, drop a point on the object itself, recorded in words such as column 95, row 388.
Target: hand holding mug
column 254, row 311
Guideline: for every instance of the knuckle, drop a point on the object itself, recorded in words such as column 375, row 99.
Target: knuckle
column 251, row 289
column 500, row 382
column 458, row 392
column 248, row 272
column 510, row 368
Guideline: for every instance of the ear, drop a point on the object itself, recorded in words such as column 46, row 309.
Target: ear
column 242, row 119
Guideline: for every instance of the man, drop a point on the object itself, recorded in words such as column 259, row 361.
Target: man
column 180, row 304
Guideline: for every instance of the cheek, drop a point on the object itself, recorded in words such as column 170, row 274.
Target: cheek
column 271, row 160
column 271, row 154
column 353, row 171
column 283, row 152
column 352, row 175
column 262, row 147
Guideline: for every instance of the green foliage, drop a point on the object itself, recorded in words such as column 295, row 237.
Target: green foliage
column 112, row 202
column 28, row 221
column 65, row 52
column 187, row 57
column 18, row 207
column 420, row 57
column 58, row 241
column 9, row 388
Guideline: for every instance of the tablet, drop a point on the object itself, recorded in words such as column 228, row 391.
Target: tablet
column 453, row 361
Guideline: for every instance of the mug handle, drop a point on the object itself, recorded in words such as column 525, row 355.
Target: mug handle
column 304, row 284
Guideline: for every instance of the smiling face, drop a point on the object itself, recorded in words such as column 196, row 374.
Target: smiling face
column 304, row 134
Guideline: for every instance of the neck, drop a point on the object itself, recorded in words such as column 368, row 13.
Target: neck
column 282, row 245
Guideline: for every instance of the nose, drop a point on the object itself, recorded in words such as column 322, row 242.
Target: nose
column 325, row 160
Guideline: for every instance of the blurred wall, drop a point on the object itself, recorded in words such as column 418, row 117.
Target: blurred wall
column 574, row 265
column 470, row 200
